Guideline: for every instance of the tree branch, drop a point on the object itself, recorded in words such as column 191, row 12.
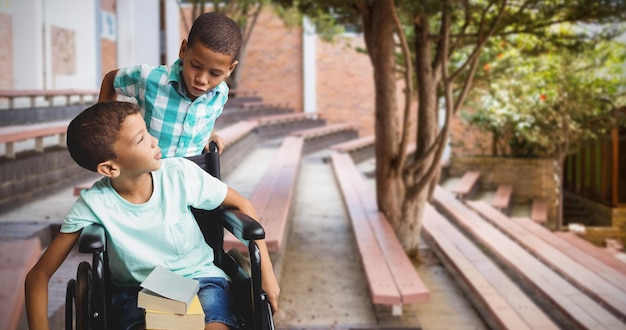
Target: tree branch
column 408, row 91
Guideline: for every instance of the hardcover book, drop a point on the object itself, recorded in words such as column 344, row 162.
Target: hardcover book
column 166, row 291
column 192, row 320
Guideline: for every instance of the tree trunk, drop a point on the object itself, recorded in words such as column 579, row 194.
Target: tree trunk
column 410, row 221
column 378, row 25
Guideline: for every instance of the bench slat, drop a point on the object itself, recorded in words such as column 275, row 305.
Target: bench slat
column 381, row 284
column 507, row 305
column 16, row 259
column 276, row 214
column 235, row 132
column 502, row 198
column 24, row 132
column 570, row 301
column 597, row 252
column 402, row 269
column 539, row 210
column 273, row 195
column 578, row 254
column 265, row 120
column 354, row 144
column 323, row 130
column 467, row 184
column 610, row 289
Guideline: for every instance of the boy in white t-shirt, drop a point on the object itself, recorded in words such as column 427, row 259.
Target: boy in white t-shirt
column 144, row 203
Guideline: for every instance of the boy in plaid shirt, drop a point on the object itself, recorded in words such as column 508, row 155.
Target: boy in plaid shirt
column 180, row 103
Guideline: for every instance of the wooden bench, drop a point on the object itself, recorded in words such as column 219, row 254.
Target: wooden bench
column 273, row 195
column 391, row 276
column 16, row 259
column 502, row 199
column 497, row 298
column 468, row 185
column 597, row 280
column 9, row 135
column 274, row 126
column 359, row 149
column 234, row 133
column 539, row 210
column 48, row 95
column 236, row 93
column 569, row 305
column 597, row 252
column 234, row 113
column 322, row 137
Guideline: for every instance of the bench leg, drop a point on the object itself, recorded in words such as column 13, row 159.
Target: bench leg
column 39, row 144
column 62, row 140
column 10, row 150
column 396, row 310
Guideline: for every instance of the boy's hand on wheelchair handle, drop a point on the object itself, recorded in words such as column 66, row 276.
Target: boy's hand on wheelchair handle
column 218, row 141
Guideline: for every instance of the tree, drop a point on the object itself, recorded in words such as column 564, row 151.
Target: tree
column 447, row 40
column 570, row 100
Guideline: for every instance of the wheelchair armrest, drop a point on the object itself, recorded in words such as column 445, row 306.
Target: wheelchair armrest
column 240, row 225
column 92, row 239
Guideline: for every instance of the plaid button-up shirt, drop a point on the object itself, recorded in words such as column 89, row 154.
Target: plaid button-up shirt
column 182, row 126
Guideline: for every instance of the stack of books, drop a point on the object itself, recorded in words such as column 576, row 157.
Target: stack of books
column 171, row 301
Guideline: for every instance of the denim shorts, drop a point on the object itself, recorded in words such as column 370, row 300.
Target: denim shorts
column 214, row 297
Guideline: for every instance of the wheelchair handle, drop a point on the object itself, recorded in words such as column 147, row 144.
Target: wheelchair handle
column 213, row 160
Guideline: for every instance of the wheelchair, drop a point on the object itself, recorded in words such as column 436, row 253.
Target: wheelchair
column 88, row 297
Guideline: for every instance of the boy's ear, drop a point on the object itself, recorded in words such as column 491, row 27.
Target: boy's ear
column 109, row 169
column 232, row 67
column 183, row 49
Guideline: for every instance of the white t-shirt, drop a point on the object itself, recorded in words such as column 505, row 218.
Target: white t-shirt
column 161, row 231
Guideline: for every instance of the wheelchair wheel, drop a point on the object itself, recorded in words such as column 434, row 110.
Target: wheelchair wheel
column 69, row 304
column 82, row 296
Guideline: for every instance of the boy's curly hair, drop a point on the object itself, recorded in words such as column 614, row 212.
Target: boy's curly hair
column 217, row 32
column 91, row 134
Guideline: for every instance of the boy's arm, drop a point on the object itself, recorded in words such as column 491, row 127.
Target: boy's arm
column 270, row 283
column 36, row 284
column 107, row 92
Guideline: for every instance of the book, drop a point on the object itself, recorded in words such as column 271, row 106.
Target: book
column 165, row 291
column 193, row 319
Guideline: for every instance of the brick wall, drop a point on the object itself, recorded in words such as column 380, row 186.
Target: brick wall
column 345, row 83
column 598, row 235
column 273, row 64
column 6, row 51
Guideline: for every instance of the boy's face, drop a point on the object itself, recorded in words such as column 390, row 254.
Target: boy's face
column 137, row 151
column 203, row 69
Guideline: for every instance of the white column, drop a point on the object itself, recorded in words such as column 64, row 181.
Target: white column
column 172, row 31
column 28, row 57
column 138, row 32
column 309, row 55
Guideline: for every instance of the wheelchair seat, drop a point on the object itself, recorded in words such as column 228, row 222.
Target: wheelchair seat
column 88, row 296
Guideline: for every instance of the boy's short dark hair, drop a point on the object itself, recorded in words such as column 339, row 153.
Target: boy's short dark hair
column 216, row 32
column 91, row 134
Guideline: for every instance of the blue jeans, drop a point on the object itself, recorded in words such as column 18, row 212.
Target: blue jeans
column 214, row 297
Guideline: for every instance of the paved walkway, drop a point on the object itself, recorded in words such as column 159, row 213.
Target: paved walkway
column 322, row 282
